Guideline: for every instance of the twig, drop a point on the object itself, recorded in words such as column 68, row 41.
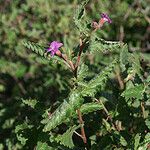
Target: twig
column 68, row 62
column 121, row 36
column 82, row 128
column 78, row 134
column 20, row 86
column 121, row 84
column 80, row 52
column 106, row 111
column 143, row 109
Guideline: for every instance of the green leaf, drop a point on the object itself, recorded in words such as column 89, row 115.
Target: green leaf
column 67, row 108
column 20, row 134
column 100, row 45
column 30, row 102
column 66, row 138
column 38, row 49
column 120, row 138
column 43, row 146
column 82, row 72
column 78, row 18
column 90, row 107
column 8, row 123
column 134, row 60
column 1, row 146
column 94, row 84
column 79, row 12
column 64, row 111
column 134, row 92
column 137, row 141
column 147, row 122
column 22, row 127
column 12, row 68
column 145, row 143
column 124, row 56
column 41, row 50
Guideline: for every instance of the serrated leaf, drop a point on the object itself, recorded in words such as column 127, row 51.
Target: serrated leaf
column 43, row 146
column 67, row 108
column 98, row 81
column 19, row 132
column 134, row 92
column 64, row 111
column 8, row 123
column 135, row 62
column 12, row 68
column 82, row 72
column 79, row 12
column 66, row 138
column 147, row 122
column 85, row 109
column 22, row 127
column 144, row 145
column 137, row 141
column 124, row 56
column 38, row 49
column 90, row 107
column 30, row 102
column 78, row 15
column 120, row 138
column 100, row 45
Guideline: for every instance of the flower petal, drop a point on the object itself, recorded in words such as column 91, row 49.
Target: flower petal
column 54, row 47
column 106, row 17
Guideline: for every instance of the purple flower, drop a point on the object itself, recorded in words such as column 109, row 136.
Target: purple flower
column 54, row 47
column 106, row 18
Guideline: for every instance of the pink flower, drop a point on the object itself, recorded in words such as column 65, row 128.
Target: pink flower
column 106, row 18
column 54, row 47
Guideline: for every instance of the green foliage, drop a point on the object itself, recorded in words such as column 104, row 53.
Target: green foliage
column 30, row 102
column 137, row 141
column 66, row 138
column 147, row 122
column 134, row 92
column 40, row 97
column 146, row 141
column 19, row 132
column 75, row 100
column 90, row 107
column 80, row 22
column 100, row 45
column 37, row 49
column 98, row 81
column 43, row 146
column 64, row 111
column 12, row 68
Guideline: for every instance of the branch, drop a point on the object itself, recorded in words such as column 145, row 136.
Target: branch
column 82, row 128
column 80, row 52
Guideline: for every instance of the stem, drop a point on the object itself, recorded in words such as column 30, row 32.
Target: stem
column 121, row 83
column 79, row 57
column 80, row 52
column 69, row 63
column 82, row 128
column 20, row 85
column 143, row 109
column 107, row 113
column 78, row 134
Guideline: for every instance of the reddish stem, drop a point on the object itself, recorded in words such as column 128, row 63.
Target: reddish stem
column 80, row 52
column 82, row 128
column 68, row 62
